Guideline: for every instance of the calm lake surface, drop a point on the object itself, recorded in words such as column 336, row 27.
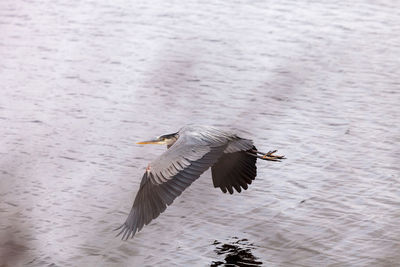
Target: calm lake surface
column 82, row 81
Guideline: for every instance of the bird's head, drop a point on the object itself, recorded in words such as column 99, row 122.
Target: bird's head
column 166, row 139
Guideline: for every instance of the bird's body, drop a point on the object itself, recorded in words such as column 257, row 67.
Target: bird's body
column 191, row 151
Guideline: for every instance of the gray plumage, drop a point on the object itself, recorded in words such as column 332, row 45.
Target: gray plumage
column 191, row 152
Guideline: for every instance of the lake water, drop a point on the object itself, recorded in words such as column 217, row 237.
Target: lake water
column 82, row 81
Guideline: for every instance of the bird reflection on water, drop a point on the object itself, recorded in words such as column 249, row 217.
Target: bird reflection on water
column 237, row 253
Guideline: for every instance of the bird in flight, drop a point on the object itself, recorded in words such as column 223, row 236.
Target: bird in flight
column 191, row 151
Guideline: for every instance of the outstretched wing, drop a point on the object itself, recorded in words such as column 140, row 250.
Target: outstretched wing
column 167, row 178
column 235, row 168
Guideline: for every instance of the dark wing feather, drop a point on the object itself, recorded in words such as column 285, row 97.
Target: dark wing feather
column 153, row 198
column 234, row 170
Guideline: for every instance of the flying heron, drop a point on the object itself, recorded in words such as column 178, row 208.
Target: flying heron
column 191, row 151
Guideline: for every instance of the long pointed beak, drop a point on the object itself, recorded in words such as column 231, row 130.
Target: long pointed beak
column 155, row 142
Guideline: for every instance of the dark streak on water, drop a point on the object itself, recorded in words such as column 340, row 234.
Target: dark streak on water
column 82, row 81
column 236, row 253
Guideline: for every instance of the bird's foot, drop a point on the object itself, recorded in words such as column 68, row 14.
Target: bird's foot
column 271, row 156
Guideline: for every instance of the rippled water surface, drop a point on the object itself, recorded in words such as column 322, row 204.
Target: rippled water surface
column 82, row 81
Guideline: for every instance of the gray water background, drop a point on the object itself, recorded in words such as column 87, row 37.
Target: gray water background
column 82, row 81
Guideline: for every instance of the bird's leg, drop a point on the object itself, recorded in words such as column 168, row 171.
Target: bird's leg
column 271, row 156
column 267, row 156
